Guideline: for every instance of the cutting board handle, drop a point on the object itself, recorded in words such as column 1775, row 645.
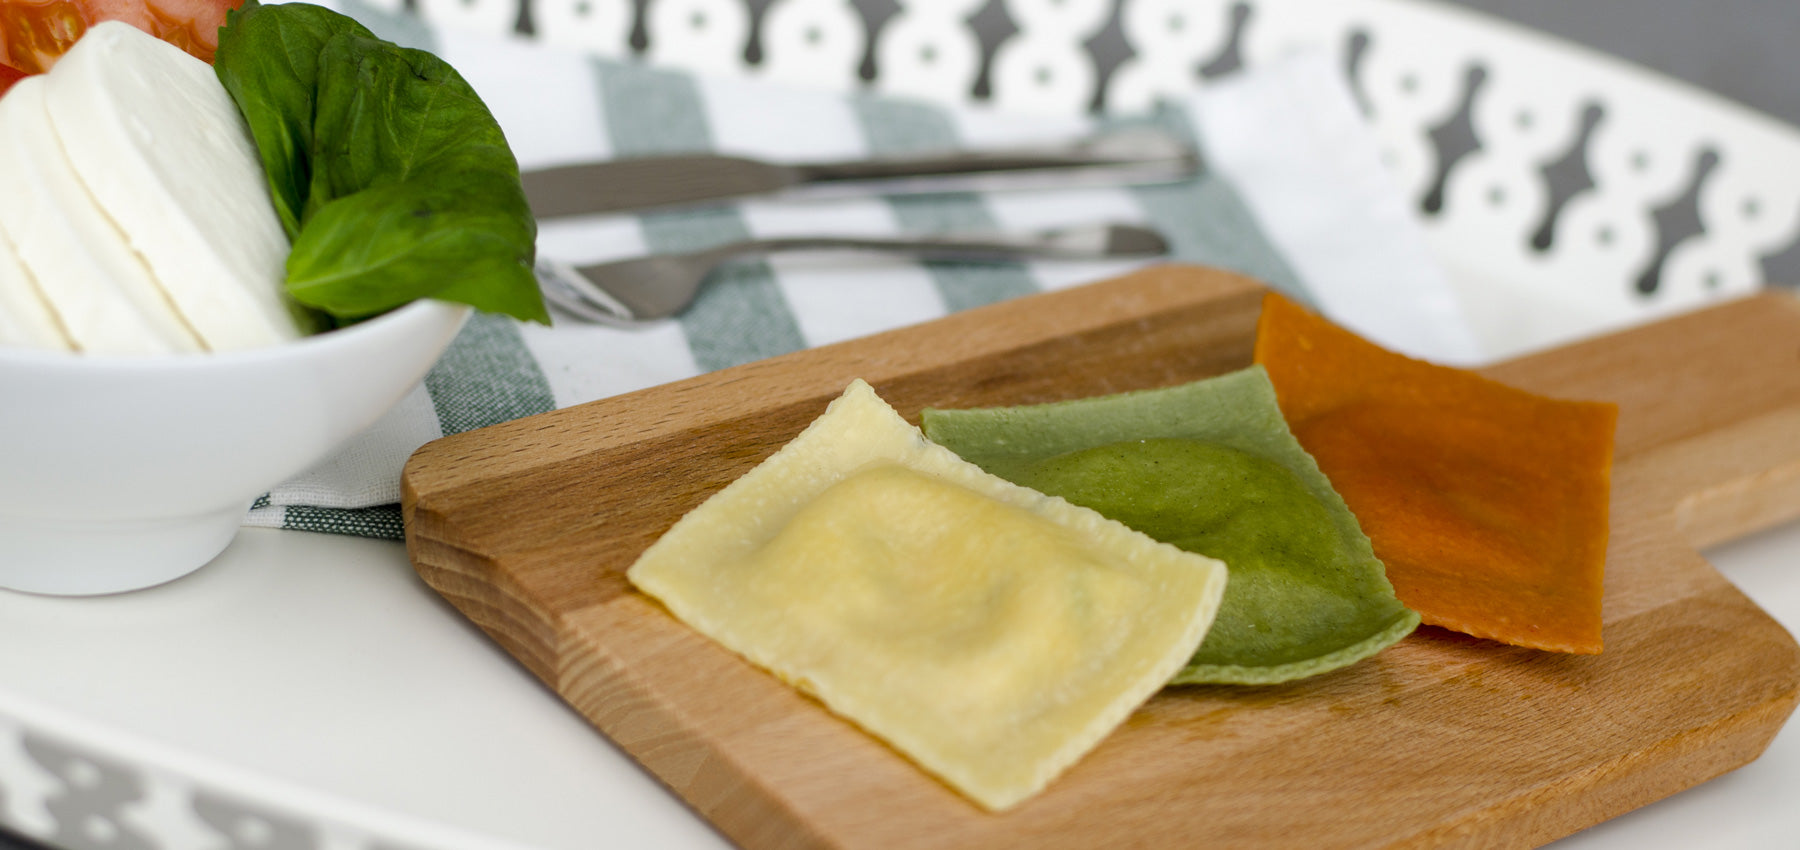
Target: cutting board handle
column 1708, row 445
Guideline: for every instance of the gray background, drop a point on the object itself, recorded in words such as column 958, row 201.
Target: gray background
column 1747, row 50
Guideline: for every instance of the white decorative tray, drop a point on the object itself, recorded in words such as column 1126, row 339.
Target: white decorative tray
column 1545, row 173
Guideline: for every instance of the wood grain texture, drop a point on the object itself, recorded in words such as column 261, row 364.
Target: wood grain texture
column 1442, row 740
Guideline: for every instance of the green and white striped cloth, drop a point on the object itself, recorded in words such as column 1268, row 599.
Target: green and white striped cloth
column 1292, row 193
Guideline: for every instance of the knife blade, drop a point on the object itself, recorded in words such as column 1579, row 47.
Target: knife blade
column 1137, row 155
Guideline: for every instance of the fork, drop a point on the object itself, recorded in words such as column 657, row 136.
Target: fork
column 632, row 292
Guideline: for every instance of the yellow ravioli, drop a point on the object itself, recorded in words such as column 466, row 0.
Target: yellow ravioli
column 990, row 633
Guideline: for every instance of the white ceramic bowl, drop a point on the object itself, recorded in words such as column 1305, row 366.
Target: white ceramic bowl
column 120, row 473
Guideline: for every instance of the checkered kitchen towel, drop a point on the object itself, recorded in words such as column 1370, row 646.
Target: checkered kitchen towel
column 1292, row 193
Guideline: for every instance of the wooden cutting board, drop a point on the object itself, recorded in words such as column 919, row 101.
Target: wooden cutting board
column 528, row 528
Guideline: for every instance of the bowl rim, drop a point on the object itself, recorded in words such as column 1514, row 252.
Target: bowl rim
column 423, row 312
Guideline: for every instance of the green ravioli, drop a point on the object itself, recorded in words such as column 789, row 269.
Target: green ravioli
column 1209, row 467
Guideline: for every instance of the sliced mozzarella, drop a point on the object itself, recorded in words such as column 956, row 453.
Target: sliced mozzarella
column 102, row 295
column 25, row 320
column 161, row 146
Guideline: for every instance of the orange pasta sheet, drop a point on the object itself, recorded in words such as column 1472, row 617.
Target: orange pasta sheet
column 1487, row 503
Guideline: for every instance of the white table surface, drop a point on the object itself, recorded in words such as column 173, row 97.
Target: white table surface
column 324, row 671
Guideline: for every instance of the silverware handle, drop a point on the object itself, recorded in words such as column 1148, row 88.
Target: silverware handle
column 1074, row 243
column 1139, row 146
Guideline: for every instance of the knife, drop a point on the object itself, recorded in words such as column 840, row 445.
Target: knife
column 1138, row 155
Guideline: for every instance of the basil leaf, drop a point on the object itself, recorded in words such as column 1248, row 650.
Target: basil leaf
column 400, row 114
column 268, row 61
column 379, row 248
column 398, row 180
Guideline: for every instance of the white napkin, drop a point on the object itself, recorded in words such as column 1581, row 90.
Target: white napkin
column 1293, row 193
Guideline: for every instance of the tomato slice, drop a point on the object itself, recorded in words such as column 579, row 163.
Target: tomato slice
column 33, row 33
column 8, row 76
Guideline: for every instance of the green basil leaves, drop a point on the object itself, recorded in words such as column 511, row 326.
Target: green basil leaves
column 393, row 180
